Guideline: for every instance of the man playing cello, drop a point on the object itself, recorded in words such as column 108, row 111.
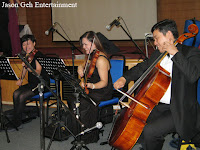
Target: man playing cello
column 178, row 110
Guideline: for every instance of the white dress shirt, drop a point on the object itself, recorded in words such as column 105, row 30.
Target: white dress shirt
column 167, row 64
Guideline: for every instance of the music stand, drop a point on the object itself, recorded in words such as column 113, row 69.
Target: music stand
column 41, row 86
column 6, row 73
column 51, row 65
column 6, row 70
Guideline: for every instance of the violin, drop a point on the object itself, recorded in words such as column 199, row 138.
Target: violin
column 89, row 71
column 29, row 57
column 132, row 119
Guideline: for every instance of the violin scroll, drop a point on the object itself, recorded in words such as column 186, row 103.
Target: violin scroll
column 31, row 55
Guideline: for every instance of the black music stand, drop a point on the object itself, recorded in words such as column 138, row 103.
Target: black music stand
column 41, row 86
column 6, row 73
column 51, row 65
column 6, row 69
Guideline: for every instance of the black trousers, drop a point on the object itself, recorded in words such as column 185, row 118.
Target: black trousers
column 159, row 124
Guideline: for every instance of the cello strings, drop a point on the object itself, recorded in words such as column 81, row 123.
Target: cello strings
column 144, row 75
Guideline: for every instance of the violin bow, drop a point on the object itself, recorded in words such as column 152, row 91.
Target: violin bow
column 89, row 56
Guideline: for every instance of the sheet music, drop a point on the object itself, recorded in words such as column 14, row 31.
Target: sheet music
column 6, row 69
column 51, row 64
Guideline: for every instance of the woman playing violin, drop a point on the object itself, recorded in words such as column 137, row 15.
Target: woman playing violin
column 178, row 110
column 25, row 92
column 100, row 84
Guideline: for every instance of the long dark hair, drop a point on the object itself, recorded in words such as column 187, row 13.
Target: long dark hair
column 165, row 26
column 90, row 35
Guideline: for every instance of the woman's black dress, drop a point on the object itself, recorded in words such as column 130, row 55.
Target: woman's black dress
column 89, row 112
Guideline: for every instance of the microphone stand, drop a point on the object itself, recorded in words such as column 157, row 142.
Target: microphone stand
column 72, row 48
column 43, row 84
column 77, row 143
column 117, row 23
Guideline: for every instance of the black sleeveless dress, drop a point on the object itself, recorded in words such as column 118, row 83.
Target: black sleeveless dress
column 89, row 112
column 102, row 94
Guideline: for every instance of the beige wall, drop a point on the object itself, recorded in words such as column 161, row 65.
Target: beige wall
column 39, row 19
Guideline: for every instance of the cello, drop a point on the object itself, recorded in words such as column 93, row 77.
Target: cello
column 131, row 121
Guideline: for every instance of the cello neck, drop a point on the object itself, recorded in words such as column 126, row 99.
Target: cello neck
column 144, row 75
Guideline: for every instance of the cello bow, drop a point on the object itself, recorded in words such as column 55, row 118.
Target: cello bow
column 193, row 30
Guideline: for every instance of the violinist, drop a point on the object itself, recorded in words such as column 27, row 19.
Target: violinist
column 25, row 92
column 100, row 84
column 178, row 110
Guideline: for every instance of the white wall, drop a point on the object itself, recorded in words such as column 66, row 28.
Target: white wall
column 139, row 16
